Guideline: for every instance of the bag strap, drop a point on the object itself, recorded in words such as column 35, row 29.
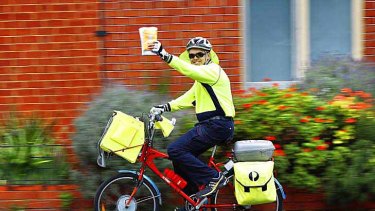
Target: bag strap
column 214, row 99
column 247, row 188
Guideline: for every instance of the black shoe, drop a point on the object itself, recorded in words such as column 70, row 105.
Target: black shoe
column 213, row 186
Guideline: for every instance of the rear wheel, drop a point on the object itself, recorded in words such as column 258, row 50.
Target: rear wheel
column 225, row 195
column 114, row 194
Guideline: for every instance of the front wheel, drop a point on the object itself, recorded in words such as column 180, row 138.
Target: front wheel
column 114, row 194
column 226, row 196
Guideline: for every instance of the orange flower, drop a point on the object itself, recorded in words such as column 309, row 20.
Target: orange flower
column 316, row 138
column 322, row 147
column 287, row 95
column 239, row 92
column 346, row 90
column 329, row 120
column 247, row 105
column 261, row 102
column 350, row 120
column 362, row 94
column 282, row 107
column 358, row 93
column 319, row 120
column 262, row 94
column 237, row 122
column 369, row 100
column 366, row 95
column 307, row 150
column 339, row 97
column 320, row 108
column 277, row 146
column 279, row 152
column 304, row 120
column 275, row 85
column 360, row 106
column 292, row 89
column 271, row 138
column 304, row 94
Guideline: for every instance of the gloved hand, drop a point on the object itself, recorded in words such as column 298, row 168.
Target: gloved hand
column 159, row 50
column 159, row 109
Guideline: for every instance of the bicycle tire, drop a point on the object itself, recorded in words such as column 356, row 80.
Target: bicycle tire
column 112, row 194
column 226, row 196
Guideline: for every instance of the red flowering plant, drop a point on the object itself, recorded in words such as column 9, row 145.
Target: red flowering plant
column 304, row 129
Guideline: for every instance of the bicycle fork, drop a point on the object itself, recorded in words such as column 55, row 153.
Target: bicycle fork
column 139, row 183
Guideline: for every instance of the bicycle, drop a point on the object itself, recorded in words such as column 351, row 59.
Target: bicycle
column 133, row 190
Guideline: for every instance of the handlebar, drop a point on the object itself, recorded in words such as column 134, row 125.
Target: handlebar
column 158, row 121
column 155, row 117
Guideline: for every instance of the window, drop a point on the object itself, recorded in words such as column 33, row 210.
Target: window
column 282, row 37
column 270, row 40
column 330, row 31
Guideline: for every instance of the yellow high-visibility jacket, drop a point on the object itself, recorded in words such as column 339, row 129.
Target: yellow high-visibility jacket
column 211, row 83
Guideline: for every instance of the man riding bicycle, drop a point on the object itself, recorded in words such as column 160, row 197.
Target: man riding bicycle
column 211, row 96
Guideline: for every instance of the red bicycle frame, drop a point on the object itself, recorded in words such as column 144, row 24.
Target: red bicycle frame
column 147, row 157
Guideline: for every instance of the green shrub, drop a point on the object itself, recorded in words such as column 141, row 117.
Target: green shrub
column 350, row 174
column 307, row 132
column 365, row 128
column 29, row 154
column 90, row 125
column 329, row 75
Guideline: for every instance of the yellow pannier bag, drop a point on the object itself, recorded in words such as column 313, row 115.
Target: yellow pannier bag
column 254, row 182
column 124, row 136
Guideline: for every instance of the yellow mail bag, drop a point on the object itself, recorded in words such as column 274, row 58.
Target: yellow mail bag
column 166, row 126
column 124, row 136
column 254, row 182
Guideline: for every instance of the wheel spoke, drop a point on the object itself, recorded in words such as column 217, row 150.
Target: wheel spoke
column 143, row 199
column 119, row 188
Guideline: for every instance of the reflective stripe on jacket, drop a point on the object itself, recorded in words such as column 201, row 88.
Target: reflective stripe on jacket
column 198, row 96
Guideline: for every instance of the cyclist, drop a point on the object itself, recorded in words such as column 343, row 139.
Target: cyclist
column 211, row 96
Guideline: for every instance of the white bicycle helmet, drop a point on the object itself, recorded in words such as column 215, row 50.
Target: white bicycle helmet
column 199, row 42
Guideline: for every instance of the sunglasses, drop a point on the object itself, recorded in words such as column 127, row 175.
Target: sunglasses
column 198, row 55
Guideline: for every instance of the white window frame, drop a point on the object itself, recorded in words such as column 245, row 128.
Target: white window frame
column 301, row 40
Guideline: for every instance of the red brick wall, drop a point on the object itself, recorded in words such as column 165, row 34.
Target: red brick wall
column 49, row 58
column 49, row 198
column 369, row 36
column 39, row 197
column 177, row 22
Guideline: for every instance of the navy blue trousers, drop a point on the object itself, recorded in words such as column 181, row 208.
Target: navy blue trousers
column 185, row 150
